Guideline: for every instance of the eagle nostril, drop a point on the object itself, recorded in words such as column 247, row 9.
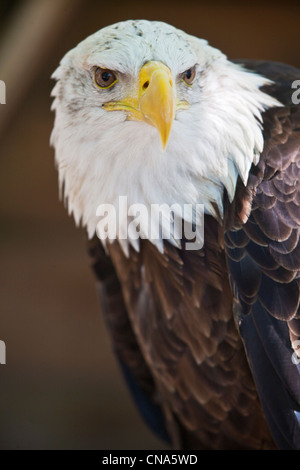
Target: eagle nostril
column 146, row 84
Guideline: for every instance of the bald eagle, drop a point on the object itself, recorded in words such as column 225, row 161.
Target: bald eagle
column 205, row 323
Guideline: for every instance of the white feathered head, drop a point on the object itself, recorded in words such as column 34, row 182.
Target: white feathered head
column 150, row 113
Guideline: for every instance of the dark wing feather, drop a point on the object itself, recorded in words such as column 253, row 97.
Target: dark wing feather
column 264, row 262
column 272, row 370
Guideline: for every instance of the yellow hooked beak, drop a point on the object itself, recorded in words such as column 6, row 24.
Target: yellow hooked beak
column 154, row 102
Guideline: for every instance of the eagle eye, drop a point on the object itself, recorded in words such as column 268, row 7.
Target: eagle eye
column 189, row 75
column 104, row 78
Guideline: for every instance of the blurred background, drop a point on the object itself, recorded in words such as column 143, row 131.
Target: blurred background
column 61, row 387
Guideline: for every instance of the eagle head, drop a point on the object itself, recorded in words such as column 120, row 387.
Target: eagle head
column 148, row 112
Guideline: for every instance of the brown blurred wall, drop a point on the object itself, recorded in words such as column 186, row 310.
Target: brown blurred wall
column 61, row 387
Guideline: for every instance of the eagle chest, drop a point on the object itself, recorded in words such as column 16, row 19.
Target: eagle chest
column 180, row 310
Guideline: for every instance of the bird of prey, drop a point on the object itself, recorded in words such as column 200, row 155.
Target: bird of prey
column 156, row 131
